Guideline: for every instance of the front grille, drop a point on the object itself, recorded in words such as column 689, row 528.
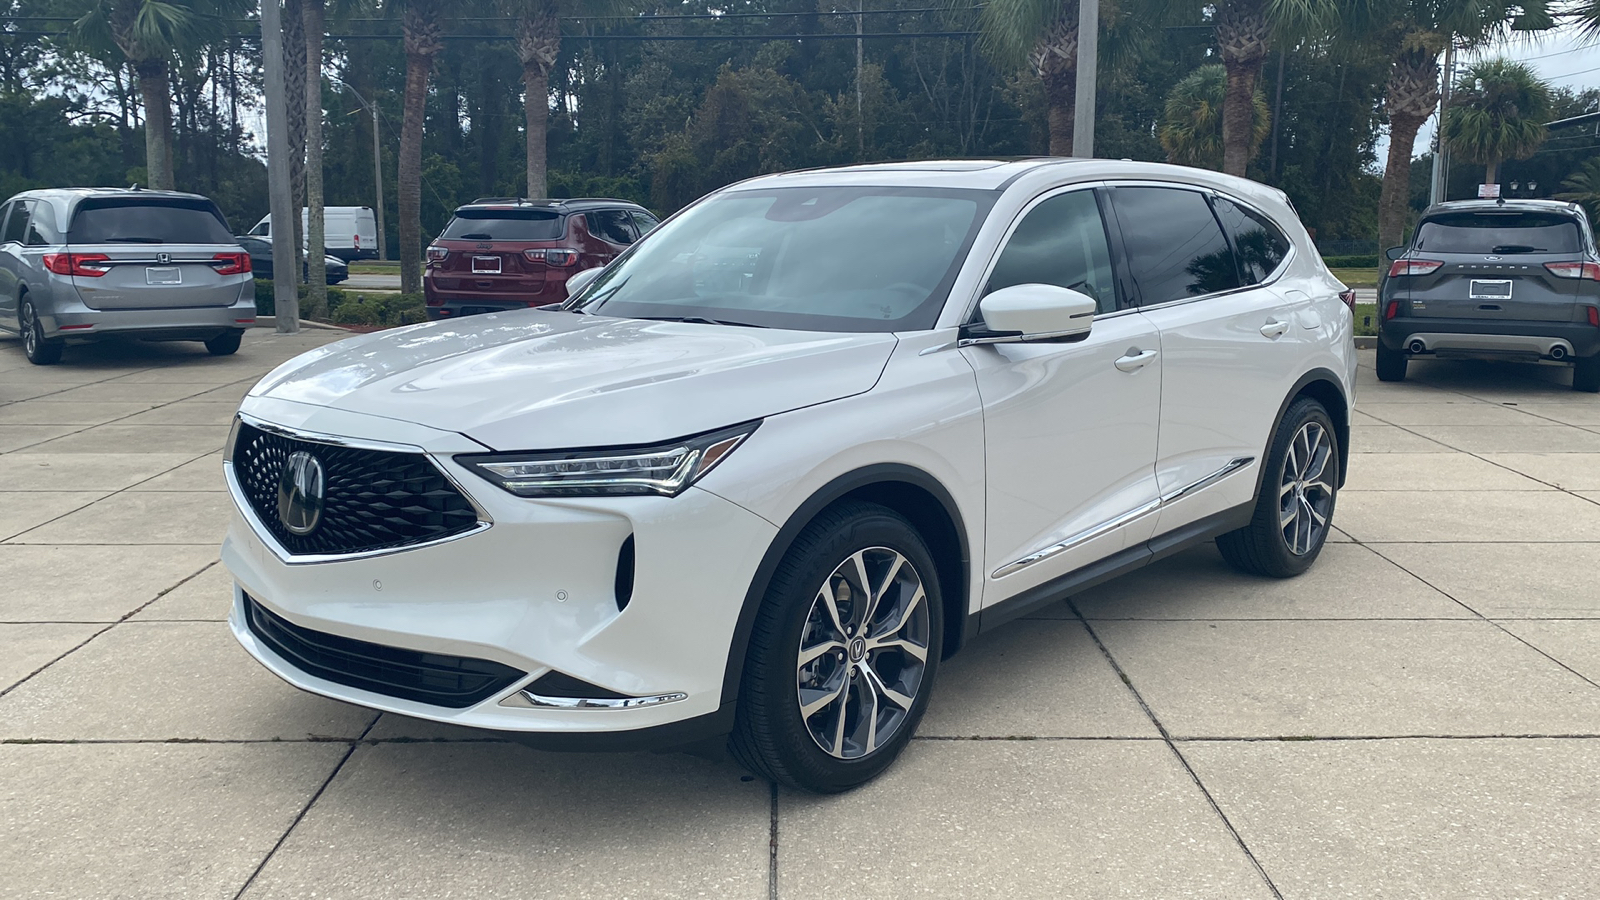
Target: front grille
column 453, row 682
column 373, row 499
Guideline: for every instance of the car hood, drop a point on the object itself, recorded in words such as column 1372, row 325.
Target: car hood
column 549, row 380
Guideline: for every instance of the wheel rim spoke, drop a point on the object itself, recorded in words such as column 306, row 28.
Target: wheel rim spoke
column 1305, row 492
column 917, row 651
column 810, row 654
column 807, row 710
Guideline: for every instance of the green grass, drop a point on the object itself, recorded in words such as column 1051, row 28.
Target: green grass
column 375, row 267
column 1357, row 277
column 1366, row 319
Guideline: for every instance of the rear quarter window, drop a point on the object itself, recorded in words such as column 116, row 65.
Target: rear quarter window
column 1503, row 233
column 504, row 225
column 156, row 220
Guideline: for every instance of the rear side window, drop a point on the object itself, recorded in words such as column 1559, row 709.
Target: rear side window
column 17, row 225
column 1500, row 233
column 156, row 220
column 1174, row 245
column 614, row 225
column 504, row 225
column 1259, row 243
column 644, row 222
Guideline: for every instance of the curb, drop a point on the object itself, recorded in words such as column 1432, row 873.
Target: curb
column 1366, row 343
column 272, row 322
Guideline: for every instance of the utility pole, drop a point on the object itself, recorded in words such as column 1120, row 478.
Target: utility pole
column 377, row 159
column 1439, row 184
column 285, row 291
column 1088, row 68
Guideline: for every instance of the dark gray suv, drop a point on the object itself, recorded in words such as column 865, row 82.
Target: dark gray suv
column 89, row 263
column 1508, row 279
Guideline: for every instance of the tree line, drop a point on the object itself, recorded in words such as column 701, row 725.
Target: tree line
column 661, row 101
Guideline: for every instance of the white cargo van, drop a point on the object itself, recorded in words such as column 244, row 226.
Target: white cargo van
column 350, row 232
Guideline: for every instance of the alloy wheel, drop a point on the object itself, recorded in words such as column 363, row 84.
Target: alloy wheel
column 30, row 338
column 1305, row 495
column 863, row 653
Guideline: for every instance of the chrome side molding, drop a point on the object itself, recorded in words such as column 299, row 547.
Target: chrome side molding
column 1089, row 534
column 530, row 700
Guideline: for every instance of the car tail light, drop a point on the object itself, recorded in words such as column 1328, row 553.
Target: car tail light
column 231, row 263
column 76, row 264
column 1413, row 267
column 1392, row 309
column 437, row 254
column 1586, row 270
column 357, row 239
column 558, row 258
column 1348, row 295
column 1594, row 317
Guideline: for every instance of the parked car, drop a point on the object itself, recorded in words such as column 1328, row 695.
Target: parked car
column 1499, row 279
column 776, row 463
column 500, row 254
column 260, row 250
column 348, row 232
column 93, row 263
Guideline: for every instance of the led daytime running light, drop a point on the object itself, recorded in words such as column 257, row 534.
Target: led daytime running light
column 665, row 470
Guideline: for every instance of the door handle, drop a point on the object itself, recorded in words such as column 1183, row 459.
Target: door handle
column 1274, row 328
column 1135, row 360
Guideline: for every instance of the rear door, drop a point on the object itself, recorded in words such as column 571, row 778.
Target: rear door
column 1491, row 265
column 155, row 252
column 10, row 261
column 498, row 250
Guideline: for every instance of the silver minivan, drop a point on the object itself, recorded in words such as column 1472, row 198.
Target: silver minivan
column 89, row 263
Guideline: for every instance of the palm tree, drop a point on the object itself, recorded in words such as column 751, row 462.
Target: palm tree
column 423, row 42
column 1413, row 33
column 316, row 240
column 1501, row 115
column 538, row 47
column 1192, row 132
column 1245, row 30
column 1583, row 187
column 147, row 34
column 294, row 85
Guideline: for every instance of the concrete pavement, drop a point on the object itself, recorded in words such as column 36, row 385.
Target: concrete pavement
column 1417, row 717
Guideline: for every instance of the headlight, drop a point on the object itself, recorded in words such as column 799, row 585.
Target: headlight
column 665, row 469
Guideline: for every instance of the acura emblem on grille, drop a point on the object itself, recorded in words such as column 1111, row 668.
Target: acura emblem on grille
column 300, row 490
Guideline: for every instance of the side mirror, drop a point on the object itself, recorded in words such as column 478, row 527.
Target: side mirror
column 1035, row 312
column 1394, row 253
column 577, row 282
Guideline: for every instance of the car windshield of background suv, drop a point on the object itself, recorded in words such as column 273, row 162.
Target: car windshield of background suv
column 850, row 259
column 1500, row 233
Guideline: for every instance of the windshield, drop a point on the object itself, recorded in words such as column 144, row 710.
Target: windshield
column 148, row 221
column 1501, row 233
column 503, row 225
column 854, row 259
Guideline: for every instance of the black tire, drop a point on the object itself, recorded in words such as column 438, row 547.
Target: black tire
column 1262, row 547
column 1586, row 375
column 225, row 344
column 771, row 736
column 1391, row 364
column 39, row 350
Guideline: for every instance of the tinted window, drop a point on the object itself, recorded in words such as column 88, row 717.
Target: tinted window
column 1062, row 241
column 256, row 246
column 504, row 225
column 614, row 225
column 1175, row 246
column 1260, row 245
column 148, row 221
column 851, row 259
column 1500, row 232
column 42, row 228
column 644, row 222
column 17, row 225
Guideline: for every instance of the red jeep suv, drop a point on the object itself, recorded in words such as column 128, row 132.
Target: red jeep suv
column 509, row 253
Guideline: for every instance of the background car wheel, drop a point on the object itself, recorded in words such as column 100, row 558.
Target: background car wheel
column 40, row 352
column 1586, row 375
column 1295, row 508
column 843, row 655
column 225, row 344
column 1391, row 364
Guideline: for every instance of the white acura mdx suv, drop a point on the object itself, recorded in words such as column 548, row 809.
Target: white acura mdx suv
column 791, row 451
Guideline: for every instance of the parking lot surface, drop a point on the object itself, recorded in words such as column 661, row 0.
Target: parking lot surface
column 1418, row 716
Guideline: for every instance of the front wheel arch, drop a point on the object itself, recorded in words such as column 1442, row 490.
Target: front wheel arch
column 911, row 492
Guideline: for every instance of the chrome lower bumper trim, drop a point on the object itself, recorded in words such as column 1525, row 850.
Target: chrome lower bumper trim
column 530, row 700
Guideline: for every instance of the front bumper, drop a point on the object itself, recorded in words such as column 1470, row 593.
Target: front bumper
column 536, row 590
column 1490, row 337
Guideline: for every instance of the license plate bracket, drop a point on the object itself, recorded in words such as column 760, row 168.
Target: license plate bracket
column 1489, row 289
column 163, row 275
column 486, row 265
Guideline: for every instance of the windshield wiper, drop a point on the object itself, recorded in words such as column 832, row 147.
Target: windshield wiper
column 1517, row 248
column 699, row 320
column 132, row 240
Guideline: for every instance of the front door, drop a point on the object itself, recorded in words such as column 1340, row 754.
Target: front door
column 1069, row 428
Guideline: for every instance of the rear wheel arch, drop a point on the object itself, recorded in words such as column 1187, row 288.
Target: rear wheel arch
column 910, row 491
column 1321, row 385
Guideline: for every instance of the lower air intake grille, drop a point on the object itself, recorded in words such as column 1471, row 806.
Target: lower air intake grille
column 453, row 682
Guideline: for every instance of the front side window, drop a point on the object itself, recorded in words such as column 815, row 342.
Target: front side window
column 504, row 225
column 153, row 220
column 1500, row 233
column 1260, row 245
column 17, row 225
column 832, row 258
column 1062, row 241
column 1175, row 246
